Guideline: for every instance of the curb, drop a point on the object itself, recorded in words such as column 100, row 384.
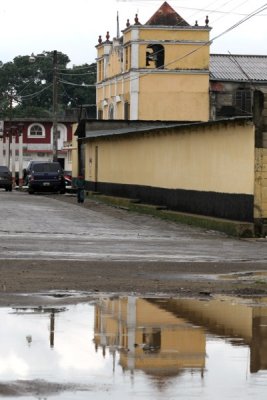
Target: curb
column 232, row 228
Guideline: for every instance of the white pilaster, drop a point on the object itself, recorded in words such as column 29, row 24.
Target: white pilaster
column 20, row 160
column 13, row 157
column 131, row 325
column 134, row 49
column 1, row 151
column 134, row 95
column 7, row 151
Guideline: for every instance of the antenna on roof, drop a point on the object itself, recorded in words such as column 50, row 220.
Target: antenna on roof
column 118, row 25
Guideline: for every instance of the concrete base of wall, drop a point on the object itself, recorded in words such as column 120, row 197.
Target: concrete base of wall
column 238, row 207
column 232, row 228
column 260, row 227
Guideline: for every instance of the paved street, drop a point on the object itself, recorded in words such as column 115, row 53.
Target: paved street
column 45, row 228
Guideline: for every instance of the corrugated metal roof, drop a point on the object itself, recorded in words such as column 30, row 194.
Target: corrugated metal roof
column 152, row 127
column 126, row 130
column 232, row 67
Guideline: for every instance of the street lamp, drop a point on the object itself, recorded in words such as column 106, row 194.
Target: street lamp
column 32, row 59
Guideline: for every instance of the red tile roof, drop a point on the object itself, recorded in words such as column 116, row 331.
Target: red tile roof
column 167, row 16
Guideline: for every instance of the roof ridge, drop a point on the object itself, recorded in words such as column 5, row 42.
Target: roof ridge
column 238, row 55
column 166, row 16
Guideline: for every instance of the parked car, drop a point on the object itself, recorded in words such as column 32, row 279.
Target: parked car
column 5, row 178
column 68, row 181
column 45, row 176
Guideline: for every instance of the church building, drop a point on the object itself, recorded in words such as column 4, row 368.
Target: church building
column 158, row 70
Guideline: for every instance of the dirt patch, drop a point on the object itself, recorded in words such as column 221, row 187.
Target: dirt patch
column 19, row 277
column 178, row 279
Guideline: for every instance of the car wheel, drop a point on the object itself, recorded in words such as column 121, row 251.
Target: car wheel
column 30, row 191
column 63, row 191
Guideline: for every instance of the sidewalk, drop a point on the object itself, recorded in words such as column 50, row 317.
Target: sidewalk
column 232, row 228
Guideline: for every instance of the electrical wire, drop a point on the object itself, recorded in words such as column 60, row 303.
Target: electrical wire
column 77, row 84
column 78, row 68
column 234, row 8
column 249, row 16
column 32, row 95
column 74, row 74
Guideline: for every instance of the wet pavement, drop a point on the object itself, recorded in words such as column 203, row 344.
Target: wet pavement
column 67, row 344
column 43, row 228
column 135, row 348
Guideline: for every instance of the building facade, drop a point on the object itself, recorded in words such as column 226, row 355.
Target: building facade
column 234, row 80
column 37, row 142
column 180, row 128
column 204, row 168
column 155, row 71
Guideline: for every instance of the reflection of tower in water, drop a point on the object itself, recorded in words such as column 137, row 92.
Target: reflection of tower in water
column 148, row 337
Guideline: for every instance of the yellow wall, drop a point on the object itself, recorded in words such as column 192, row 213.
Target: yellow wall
column 218, row 158
column 114, row 66
column 234, row 318
column 176, row 95
column 187, row 99
column 260, row 208
column 182, row 56
column 148, row 33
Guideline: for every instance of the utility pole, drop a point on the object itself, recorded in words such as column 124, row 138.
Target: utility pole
column 32, row 59
column 55, row 105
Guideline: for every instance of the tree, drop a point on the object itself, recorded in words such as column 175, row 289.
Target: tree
column 26, row 89
column 78, row 87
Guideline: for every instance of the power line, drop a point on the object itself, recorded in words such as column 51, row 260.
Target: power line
column 76, row 84
column 78, row 68
column 74, row 74
column 33, row 94
column 249, row 16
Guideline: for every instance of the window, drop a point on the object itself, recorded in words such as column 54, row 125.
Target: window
column 243, row 102
column 100, row 70
column 100, row 114
column 111, row 111
column 127, row 58
column 155, row 54
column 36, row 130
column 126, row 110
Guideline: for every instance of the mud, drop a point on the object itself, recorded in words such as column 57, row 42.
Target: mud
column 19, row 277
column 49, row 243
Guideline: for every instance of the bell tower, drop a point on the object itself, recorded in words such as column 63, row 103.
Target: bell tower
column 164, row 69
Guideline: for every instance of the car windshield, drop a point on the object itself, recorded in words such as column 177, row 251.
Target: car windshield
column 46, row 167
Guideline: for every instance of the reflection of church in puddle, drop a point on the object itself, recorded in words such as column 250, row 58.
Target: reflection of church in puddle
column 166, row 336
column 148, row 337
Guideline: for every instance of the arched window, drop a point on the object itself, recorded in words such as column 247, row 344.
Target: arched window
column 36, row 130
column 155, row 53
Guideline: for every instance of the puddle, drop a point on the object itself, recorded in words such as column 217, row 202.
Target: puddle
column 252, row 276
column 141, row 348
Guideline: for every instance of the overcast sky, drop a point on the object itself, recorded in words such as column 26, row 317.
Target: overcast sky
column 73, row 26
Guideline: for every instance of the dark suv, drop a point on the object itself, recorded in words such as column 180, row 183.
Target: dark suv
column 45, row 176
column 5, row 178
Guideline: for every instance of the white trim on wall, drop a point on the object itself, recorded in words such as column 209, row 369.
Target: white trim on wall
column 134, row 95
column 30, row 135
